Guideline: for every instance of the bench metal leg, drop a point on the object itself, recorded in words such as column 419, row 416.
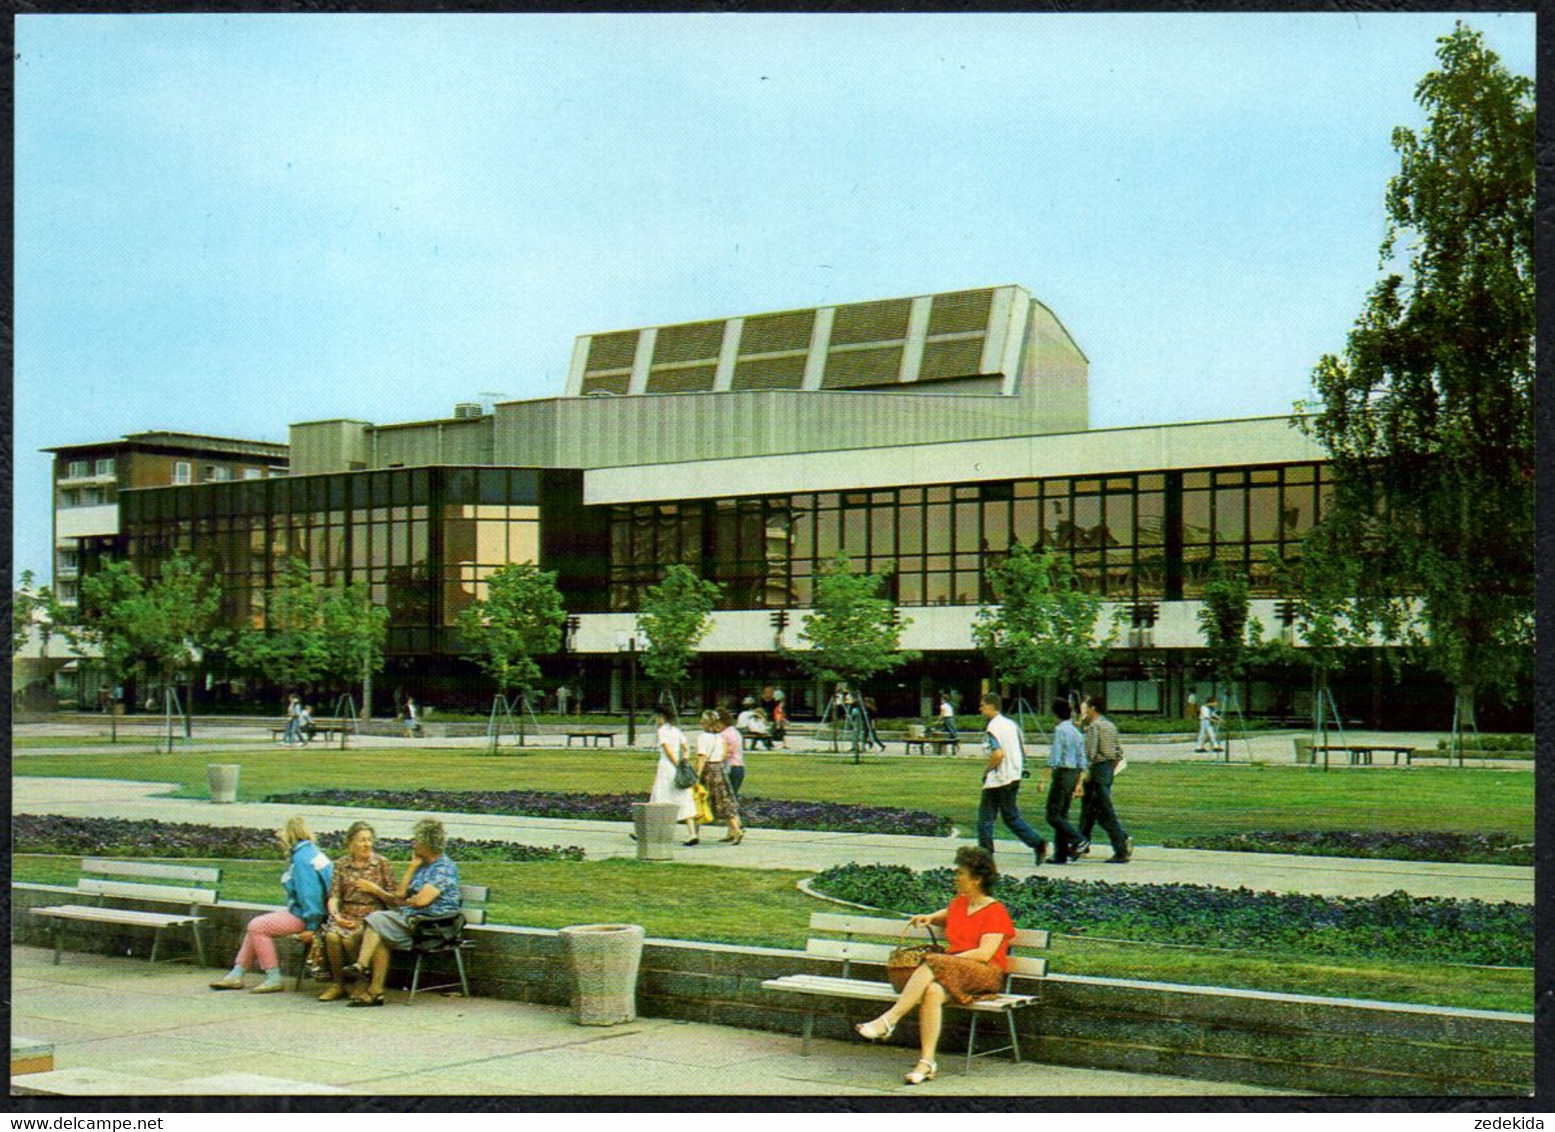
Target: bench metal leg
column 156, row 938
column 199, row 941
column 1009, row 1016
column 57, row 944
column 809, row 1027
column 464, row 982
column 415, row 978
column 971, row 1040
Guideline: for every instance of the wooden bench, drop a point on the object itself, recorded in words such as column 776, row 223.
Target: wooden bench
column 1361, row 753
column 324, row 729
column 874, row 952
column 64, row 915
column 596, row 736
column 924, row 742
column 751, row 738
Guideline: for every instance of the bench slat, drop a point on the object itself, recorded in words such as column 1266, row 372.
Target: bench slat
column 875, row 925
column 475, row 916
column 146, row 891
column 859, row 988
column 860, row 952
column 113, row 915
column 473, row 893
column 141, row 869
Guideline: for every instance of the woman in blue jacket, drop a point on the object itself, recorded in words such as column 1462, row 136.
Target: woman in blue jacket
column 306, row 881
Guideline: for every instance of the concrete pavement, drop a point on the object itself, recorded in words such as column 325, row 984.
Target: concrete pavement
column 126, row 1027
column 809, row 851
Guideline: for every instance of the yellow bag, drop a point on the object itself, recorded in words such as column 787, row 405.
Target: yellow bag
column 704, row 811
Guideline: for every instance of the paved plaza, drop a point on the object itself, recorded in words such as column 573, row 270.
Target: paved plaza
column 126, row 1027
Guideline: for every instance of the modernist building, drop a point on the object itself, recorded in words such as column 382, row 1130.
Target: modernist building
column 921, row 435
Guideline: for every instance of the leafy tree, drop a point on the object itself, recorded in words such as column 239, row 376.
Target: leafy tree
column 1428, row 416
column 354, row 634
column 1044, row 628
column 24, row 604
column 676, row 617
column 292, row 650
column 1223, row 619
column 853, row 630
column 521, row 618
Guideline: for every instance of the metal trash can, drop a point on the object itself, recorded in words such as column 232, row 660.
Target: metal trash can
column 654, row 824
column 603, row 960
column 223, row 780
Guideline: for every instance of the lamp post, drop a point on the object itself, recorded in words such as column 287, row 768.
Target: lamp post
column 629, row 643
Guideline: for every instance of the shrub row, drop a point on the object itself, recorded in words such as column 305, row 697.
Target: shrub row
column 1396, row 926
column 1490, row 743
column 1468, row 848
column 770, row 813
column 121, row 837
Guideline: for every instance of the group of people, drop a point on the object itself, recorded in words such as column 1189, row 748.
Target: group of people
column 718, row 760
column 300, row 727
column 351, row 909
column 1080, row 764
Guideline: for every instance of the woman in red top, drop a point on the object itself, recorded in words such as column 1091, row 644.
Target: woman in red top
column 978, row 930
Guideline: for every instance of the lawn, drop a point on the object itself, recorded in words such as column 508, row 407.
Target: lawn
column 764, row 908
column 1157, row 801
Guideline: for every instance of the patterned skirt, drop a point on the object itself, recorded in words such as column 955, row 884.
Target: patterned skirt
column 720, row 798
column 965, row 979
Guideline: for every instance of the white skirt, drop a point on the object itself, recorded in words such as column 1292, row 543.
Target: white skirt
column 664, row 790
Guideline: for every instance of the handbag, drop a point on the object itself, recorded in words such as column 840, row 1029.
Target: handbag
column 685, row 773
column 436, row 933
column 704, row 811
column 903, row 961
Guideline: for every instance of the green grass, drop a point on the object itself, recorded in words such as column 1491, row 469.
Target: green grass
column 764, row 908
column 140, row 735
column 1157, row 801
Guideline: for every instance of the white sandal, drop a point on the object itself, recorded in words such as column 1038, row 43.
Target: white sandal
column 918, row 1075
column 875, row 1030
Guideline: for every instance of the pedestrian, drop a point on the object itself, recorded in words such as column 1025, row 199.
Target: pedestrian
column 712, row 755
column 305, row 728
column 947, row 716
column 412, row 720
column 1209, row 715
column 1001, row 780
column 1103, row 752
column 1066, row 763
column 673, row 750
column 779, row 719
column 734, row 750
column 293, row 710
column 1193, row 705
column 563, row 693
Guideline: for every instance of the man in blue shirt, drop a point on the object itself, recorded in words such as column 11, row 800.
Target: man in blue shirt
column 1066, row 763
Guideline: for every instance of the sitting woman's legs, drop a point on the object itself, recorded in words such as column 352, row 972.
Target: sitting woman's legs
column 259, row 946
column 930, row 1012
column 917, row 986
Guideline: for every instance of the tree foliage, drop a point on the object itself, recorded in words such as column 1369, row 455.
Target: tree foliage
column 852, row 631
column 1044, row 627
column 676, row 617
column 354, row 634
column 26, row 601
column 1224, row 621
column 292, row 649
column 1428, row 415
column 520, row 618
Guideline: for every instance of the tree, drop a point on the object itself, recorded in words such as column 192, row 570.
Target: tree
column 521, row 618
column 853, row 632
column 292, row 650
column 1223, row 619
column 1044, row 628
column 1428, row 416
column 24, row 605
column 354, row 634
column 676, row 617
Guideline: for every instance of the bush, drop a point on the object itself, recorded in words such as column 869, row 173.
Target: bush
column 1490, row 743
column 773, row 813
column 121, row 837
column 1468, row 848
column 1396, row 926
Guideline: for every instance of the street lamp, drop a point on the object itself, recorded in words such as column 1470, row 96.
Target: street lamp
column 630, row 643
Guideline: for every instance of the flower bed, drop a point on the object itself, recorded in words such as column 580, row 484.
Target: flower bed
column 1467, row 848
column 120, row 837
column 1396, row 926
column 770, row 813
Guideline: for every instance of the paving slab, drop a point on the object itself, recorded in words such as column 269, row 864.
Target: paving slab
column 494, row 1047
column 811, row 851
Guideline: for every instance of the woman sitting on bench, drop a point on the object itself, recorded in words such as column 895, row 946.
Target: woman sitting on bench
column 307, row 880
column 978, row 930
column 430, row 887
column 350, row 903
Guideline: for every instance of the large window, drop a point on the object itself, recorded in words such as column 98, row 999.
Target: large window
column 937, row 543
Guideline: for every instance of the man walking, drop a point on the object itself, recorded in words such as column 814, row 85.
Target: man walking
column 1208, row 714
column 1066, row 762
column 1103, row 752
column 1001, row 780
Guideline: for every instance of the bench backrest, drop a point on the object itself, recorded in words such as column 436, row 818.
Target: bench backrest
column 185, row 893
column 884, row 934
column 473, row 894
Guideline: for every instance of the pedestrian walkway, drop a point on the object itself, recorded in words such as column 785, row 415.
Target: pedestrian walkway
column 807, row 850
column 124, row 1027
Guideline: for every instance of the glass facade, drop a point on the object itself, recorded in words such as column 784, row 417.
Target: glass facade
column 1135, row 536
column 423, row 539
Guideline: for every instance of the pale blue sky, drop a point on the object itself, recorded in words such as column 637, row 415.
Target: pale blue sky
column 226, row 223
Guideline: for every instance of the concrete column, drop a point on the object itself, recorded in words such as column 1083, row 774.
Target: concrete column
column 580, row 358
column 820, row 340
column 917, row 334
column 617, row 693
column 642, row 360
column 723, row 379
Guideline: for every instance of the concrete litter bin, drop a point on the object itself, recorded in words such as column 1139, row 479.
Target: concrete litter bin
column 603, row 960
column 1303, row 750
column 654, row 824
column 223, row 780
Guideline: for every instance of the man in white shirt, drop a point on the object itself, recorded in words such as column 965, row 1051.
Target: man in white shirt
column 1001, row 780
column 1208, row 715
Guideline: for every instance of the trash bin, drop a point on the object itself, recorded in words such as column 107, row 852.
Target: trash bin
column 603, row 960
column 223, row 779
column 1303, row 750
column 654, row 824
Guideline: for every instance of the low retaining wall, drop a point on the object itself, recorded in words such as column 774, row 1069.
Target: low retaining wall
column 1281, row 1041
